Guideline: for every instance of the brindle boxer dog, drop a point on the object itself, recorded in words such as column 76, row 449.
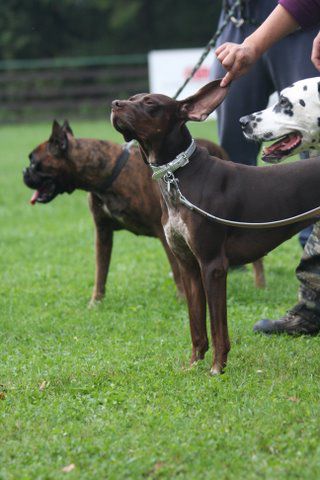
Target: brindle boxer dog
column 122, row 194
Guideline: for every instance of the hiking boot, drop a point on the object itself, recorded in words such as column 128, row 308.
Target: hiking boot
column 299, row 320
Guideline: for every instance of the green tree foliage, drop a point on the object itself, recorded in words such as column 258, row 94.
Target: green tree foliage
column 51, row 28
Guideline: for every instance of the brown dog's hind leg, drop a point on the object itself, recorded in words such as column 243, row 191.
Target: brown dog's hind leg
column 196, row 299
column 259, row 277
column 215, row 282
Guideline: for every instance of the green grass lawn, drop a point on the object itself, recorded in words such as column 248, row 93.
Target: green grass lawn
column 109, row 390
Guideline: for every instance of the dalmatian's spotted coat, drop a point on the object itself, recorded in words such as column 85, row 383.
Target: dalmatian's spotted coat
column 294, row 121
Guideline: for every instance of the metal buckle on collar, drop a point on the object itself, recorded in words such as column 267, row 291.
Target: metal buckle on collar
column 180, row 161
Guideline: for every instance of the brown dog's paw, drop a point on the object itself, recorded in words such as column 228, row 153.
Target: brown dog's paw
column 94, row 302
column 216, row 371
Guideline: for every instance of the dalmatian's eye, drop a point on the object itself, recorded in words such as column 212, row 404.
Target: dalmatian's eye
column 283, row 102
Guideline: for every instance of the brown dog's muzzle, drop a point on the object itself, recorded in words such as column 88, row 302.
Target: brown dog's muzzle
column 121, row 119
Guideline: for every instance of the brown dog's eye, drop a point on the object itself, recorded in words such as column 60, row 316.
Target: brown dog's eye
column 149, row 102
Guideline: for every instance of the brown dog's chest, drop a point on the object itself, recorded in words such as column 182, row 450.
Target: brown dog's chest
column 123, row 215
column 175, row 227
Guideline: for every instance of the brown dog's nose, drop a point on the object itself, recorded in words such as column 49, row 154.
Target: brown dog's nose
column 116, row 103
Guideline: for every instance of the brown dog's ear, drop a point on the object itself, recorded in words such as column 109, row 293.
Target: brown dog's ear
column 55, row 126
column 201, row 104
column 58, row 137
column 67, row 127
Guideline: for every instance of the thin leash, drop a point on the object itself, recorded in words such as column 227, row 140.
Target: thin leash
column 165, row 172
column 229, row 16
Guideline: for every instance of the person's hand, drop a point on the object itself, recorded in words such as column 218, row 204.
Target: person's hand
column 236, row 59
column 315, row 54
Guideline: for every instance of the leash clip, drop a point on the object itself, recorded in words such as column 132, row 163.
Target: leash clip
column 169, row 180
column 238, row 22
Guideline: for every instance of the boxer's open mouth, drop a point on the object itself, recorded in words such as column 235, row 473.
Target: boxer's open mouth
column 45, row 193
column 283, row 147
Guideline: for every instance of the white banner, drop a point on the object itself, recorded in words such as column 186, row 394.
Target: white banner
column 168, row 69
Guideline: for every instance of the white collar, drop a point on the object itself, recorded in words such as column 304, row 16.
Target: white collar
column 180, row 161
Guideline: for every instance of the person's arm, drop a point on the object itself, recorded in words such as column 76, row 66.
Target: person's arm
column 237, row 59
column 315, row 54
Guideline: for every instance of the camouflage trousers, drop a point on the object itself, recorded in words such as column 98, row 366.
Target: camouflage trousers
column 308, row 271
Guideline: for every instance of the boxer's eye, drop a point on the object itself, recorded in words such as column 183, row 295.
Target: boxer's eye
column 36, row 166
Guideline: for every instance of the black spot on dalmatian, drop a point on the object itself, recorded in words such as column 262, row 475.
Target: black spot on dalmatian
column 254, row 124
column 277, row 108
column 252, row 117
column 258, row 113
column 258, row 119
column 284, row 106
column 305, row 87
column 268, row 135
column 302, row 102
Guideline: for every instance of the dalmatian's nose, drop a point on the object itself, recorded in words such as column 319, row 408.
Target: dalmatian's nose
column 244, row 122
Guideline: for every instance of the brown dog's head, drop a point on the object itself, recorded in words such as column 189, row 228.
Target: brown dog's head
column 151, row 118
column 49, row 172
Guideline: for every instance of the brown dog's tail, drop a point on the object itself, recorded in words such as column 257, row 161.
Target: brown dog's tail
column 213, row 149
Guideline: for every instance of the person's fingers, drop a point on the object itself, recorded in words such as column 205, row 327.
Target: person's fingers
column 221, row 48
column 227, row 79
column 230, row 60
column 223, row 54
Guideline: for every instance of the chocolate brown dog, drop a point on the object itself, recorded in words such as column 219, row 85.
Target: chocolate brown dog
column 122, row 194
column 205, row 249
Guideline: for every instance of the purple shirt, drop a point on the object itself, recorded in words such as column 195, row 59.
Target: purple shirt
column 305, row 12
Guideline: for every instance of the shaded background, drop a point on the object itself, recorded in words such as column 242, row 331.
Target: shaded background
column 69, row 56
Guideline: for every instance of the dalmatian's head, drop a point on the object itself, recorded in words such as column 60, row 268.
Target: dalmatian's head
column 294, row 122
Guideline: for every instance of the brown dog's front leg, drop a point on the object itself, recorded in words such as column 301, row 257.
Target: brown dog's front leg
column 174, row 265
column 196, row 299
column 215, row 281
column 103, row 248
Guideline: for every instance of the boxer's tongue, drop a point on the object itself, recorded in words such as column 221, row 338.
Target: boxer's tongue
column 34, row 197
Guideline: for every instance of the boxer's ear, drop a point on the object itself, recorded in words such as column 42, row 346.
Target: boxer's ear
column 67, row 127
column 58, row 137
column 55, row 127
column 199, row 106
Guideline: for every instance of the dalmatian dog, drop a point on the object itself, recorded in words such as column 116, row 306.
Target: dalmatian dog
column 294, row 122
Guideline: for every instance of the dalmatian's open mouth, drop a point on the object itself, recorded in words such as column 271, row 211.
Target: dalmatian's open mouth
column 283, row 147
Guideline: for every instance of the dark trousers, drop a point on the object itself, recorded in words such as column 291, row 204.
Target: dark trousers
column 285, row 63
